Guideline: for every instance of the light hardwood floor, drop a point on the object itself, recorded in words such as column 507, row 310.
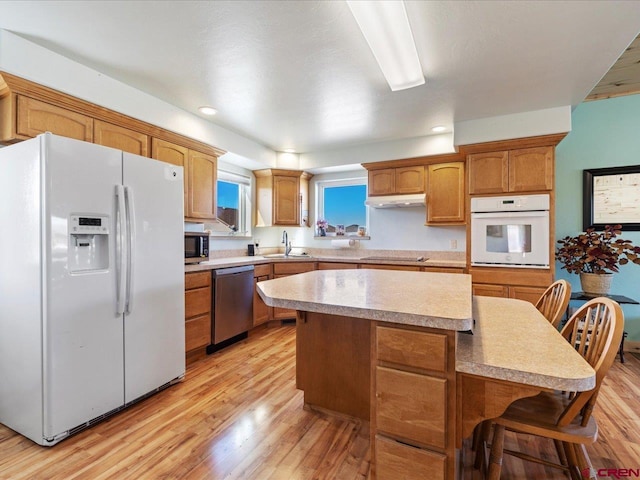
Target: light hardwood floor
column 238, row 415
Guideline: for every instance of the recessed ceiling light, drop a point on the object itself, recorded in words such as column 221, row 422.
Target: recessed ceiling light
column 439, row 128
column 208, row 110
column 290, row 150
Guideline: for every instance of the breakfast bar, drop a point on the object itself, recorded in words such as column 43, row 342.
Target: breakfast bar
column 420, row 358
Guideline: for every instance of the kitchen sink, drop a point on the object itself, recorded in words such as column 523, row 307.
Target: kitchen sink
column 291, row 255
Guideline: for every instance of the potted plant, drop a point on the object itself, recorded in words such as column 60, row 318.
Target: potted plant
column 596, row 256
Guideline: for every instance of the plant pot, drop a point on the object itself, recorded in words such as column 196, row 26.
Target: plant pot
column 596, row 283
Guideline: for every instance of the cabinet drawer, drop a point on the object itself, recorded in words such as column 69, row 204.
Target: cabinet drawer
column 291, row 268
column 443, row 270
column 197, row 280
column 408, row 268
column 412, row 348
column 197, row 332
column 396, row 460
column 336, row 266
column 262, row 270
column 197, row 302
column 411, row 406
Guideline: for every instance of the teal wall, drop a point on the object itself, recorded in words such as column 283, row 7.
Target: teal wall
column 605, row 133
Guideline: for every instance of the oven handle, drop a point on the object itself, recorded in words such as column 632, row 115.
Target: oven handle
column 529, row 213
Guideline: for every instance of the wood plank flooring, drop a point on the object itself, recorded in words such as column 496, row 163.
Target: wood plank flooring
column 238, row 415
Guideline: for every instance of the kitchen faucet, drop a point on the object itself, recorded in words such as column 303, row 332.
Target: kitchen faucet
column 287, row 243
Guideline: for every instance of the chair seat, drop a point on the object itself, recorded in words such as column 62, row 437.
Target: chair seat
column 538, row 416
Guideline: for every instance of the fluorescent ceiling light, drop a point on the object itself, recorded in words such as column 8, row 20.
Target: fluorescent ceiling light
column 385, row 26
column 290, row 150
column 208, row 110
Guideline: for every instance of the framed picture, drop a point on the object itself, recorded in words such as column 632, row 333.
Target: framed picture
column 611, row 196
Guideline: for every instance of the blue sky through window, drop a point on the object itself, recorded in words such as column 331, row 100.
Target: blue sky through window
column 228, row 194
column 345, row 205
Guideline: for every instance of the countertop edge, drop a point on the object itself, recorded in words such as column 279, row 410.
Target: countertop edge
column 260, row 260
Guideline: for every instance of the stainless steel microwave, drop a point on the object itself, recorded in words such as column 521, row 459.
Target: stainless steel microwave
column 196, row 247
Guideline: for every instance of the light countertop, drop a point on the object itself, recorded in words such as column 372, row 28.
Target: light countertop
column 437, row 300
column 512, row 341
column 258, row 259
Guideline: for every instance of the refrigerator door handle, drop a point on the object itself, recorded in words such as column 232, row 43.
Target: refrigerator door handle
column 121, row 249
column 131, row 233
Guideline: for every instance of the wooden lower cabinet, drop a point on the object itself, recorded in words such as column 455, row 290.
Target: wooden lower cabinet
column 408, row 268
column 336, row 266
column 261, row 311
column 413, row 403
column 197, row 311
column 530, row 294
column 521, row 283
column 285, row 269
column 398, row 460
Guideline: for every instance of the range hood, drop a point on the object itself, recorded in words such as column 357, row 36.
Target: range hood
column 396, row 201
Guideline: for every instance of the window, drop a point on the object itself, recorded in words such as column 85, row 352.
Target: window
column 233, row 205
column 341, row 202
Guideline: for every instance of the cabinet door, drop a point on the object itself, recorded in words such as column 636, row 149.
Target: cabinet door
column 382, row 182
column 286, row 200
column 486, row 290
column 121, row 138
column 410, row 179
column 201, row 186
column 197, row 332
column 173, row 154
column 531, row 169
column 36, row 117
column 261, row 311
column 530, row 294
column 445, row 189
column 280, row 313
column 489, row 172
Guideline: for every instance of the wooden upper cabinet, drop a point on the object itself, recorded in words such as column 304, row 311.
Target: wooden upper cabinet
column 531, row 169
column 282, row 198
column 382, row 182
column 522, row 170
column 400, row 180
column 35, row 117
column 489, row 172
column 201, row 189
column 114, row 136
column 175, row 155
column 445, row 192
column 410, row 179
column 286, row 200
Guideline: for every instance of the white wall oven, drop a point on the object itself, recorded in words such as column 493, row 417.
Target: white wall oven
column 510, row 231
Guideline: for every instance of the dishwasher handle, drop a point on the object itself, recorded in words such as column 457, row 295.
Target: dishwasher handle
column 232, row 271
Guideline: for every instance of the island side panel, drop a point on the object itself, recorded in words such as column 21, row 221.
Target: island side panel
column 333, row 361
column 413, row 402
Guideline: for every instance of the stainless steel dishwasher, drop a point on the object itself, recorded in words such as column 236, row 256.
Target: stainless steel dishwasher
column 232, row 305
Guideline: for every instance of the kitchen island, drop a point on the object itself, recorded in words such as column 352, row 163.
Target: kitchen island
column 395, row 348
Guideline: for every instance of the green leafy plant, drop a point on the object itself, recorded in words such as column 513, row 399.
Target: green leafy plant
column 597, row 252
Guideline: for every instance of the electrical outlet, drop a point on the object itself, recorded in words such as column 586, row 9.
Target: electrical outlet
column 453, row 244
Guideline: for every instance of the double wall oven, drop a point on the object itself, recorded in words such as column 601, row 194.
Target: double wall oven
column 510, row 231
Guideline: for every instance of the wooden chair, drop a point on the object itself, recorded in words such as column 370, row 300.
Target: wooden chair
column 554, row 301
column 595, row 330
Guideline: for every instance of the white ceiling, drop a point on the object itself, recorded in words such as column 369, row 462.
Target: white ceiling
column 299, row 74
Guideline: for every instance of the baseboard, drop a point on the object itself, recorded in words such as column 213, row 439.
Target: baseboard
column 633, row 347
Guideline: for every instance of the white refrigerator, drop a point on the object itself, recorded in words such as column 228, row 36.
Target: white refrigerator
column 91, row 283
